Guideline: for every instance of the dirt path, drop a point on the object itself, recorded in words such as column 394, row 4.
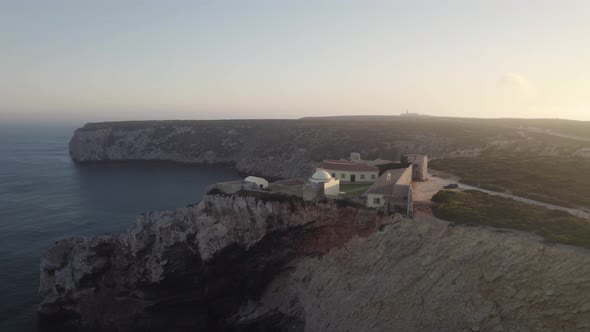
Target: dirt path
column 423, row 192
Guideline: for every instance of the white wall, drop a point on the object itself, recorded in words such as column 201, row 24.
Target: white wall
column 406, row 177
column 371, row 200
column 420, row 166
column 260, row 182
column 332, row 188
column 346, row 178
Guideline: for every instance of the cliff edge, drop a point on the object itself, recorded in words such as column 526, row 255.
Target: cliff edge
column 255, row 261
column 191, row 267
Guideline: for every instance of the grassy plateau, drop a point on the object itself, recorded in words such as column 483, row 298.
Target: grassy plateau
column 474, row 208
column 559, row 181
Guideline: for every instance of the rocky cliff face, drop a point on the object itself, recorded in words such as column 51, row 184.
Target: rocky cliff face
column 189, row 268
column 428, row 275
column 280, row 149
column 256, row 261
column 289, row 148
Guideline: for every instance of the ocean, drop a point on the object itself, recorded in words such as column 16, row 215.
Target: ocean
column 44, row 197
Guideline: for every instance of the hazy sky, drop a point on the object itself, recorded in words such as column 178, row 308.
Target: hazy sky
column 108, row 60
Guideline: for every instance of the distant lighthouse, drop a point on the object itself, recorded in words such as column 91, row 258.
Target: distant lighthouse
column 407, row 113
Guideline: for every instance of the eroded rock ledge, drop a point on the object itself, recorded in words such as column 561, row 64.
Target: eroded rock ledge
column 255, row 262
column 192, row 267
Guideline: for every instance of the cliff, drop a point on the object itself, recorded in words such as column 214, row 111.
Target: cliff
column 289, row 148
column 261, row 261
column 428, row 275
column 271, row 148
column 190, row 267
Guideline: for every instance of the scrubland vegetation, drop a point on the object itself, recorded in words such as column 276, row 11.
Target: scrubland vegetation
column 560, row 181
column 474, row 208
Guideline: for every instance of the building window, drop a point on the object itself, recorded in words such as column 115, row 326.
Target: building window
column 362, row 176
column 343, row 176
column 372, row 176
column 334, row 175
column 376, row 200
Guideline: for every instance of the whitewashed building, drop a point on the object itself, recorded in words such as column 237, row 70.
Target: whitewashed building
column 350, row 172
column 392, row 192
column 331, row 186
column 260, row 182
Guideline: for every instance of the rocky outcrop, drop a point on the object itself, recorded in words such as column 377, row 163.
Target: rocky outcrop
column 255, row 261
column 192, row 267
column 429, row 275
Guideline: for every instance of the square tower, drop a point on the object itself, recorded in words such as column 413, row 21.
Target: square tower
column 420, row 163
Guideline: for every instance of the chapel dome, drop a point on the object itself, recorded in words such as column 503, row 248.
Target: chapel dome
column 321, row 176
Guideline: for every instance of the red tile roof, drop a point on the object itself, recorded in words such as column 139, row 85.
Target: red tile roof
column 345, row 165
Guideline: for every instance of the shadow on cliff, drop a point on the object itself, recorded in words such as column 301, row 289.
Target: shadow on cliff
column 193, row 295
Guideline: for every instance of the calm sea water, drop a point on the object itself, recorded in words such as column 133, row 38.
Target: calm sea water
column 45, row 197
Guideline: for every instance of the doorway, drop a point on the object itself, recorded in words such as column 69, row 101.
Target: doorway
column 352, row 178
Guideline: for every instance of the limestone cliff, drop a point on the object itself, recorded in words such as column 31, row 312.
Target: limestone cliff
column 271, row 148
column 261, row 261
column 428, row 275
column 189, row 267
column 289, row 148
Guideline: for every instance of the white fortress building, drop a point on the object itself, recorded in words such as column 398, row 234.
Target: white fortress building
column 390, row 192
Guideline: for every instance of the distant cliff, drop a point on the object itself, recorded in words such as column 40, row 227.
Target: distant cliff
column 289, row 148
column 263, row 261
column 273, row 148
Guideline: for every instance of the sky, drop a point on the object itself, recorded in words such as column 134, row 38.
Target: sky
column 105, row 60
